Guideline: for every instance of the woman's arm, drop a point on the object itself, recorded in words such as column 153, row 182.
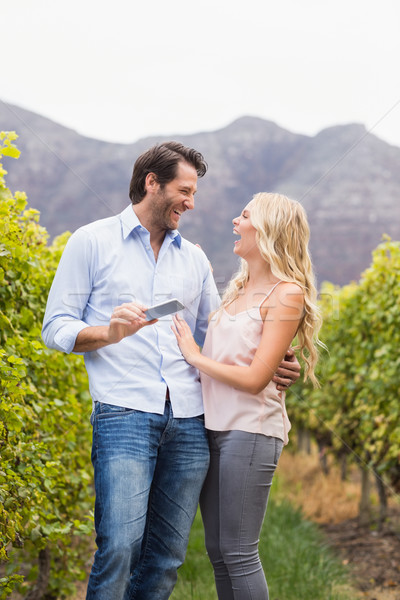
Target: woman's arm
column 282, row 316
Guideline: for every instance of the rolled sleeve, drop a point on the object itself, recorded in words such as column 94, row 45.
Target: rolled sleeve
column 63, row 338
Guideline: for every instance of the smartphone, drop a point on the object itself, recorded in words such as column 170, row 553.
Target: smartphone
column 165, row 308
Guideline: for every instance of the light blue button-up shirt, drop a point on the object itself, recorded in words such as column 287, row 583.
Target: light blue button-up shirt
column 107, row 263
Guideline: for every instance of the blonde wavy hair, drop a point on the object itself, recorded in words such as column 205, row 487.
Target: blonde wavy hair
column 282, row 237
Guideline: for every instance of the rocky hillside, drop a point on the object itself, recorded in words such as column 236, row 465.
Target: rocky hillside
column 347, row 179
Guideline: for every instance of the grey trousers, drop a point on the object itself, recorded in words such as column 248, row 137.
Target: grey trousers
column 233, row 504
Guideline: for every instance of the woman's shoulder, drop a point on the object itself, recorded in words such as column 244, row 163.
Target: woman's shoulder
column 285, row 297
column 289, row 287
column 287, row 290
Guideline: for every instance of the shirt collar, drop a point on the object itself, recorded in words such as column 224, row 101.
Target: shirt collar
column 130, row 222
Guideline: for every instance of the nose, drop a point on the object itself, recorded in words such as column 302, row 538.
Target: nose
column 235, row 221
column 189, row 203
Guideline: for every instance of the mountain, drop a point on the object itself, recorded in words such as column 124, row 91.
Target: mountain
column 347, row 179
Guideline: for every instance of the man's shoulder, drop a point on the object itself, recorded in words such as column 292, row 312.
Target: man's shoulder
column 102, row 227
column 194, row 249
column 196, row 254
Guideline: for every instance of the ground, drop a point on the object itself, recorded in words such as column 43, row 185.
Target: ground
column 373, row 556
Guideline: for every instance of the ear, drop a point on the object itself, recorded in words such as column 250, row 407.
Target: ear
column 151, row 182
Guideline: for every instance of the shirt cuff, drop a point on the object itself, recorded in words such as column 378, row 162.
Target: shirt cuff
column 65, row 337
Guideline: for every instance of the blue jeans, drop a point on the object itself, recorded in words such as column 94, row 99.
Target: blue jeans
column 233, row 504
column 149, row 470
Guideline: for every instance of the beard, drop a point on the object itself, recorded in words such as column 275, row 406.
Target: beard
column 161, row 212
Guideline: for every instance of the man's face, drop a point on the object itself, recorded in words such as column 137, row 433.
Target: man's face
column 177, row 196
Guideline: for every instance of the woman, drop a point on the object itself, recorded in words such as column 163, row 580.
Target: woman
column 269, row 302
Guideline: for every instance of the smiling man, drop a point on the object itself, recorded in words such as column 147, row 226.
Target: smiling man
column 150, row 452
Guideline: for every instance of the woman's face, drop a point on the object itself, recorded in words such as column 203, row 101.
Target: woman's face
column 246, row 246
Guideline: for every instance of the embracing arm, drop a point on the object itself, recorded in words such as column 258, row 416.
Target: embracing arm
column 280, row 326
column 288, row 371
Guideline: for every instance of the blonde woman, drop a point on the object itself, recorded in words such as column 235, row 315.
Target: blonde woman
column 269, row 302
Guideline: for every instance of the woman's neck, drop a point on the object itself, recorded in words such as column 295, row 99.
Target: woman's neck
column 260, row 274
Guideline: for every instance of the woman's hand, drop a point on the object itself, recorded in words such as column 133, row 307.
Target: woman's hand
column 186, row 343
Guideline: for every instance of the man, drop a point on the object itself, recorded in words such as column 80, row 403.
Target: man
column 150, row 452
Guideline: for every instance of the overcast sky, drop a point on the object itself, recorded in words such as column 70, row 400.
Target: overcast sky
column 124, row 69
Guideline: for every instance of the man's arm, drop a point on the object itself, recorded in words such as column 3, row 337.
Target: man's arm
column 288, row 371
column 69, row 294
column 64, row 326
column 209, row 302
column 126, row 320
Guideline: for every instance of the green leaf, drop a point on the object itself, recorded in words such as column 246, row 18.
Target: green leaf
column 11, row 151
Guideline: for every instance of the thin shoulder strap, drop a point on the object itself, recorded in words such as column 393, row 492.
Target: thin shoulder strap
column 269, row 293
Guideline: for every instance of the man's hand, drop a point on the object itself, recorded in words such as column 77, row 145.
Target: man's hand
column 126, row 320
column 288, row 371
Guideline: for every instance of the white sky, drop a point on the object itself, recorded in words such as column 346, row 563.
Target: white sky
column 120, row 70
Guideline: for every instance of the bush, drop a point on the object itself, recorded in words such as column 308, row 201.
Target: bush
column 45, row 473
column 356, row 412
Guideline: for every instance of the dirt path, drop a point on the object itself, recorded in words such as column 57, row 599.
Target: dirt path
column 373, row 557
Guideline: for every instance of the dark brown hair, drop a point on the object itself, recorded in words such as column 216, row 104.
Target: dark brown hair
column 162, row 160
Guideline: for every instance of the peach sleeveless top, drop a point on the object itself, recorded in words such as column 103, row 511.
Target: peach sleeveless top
column 233, row 340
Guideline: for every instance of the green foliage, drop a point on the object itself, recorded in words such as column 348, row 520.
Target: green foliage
column 357, row 409
column 297, row 561
column 45, row 474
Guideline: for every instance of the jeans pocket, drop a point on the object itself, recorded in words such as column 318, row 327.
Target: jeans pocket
column 103, row 410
